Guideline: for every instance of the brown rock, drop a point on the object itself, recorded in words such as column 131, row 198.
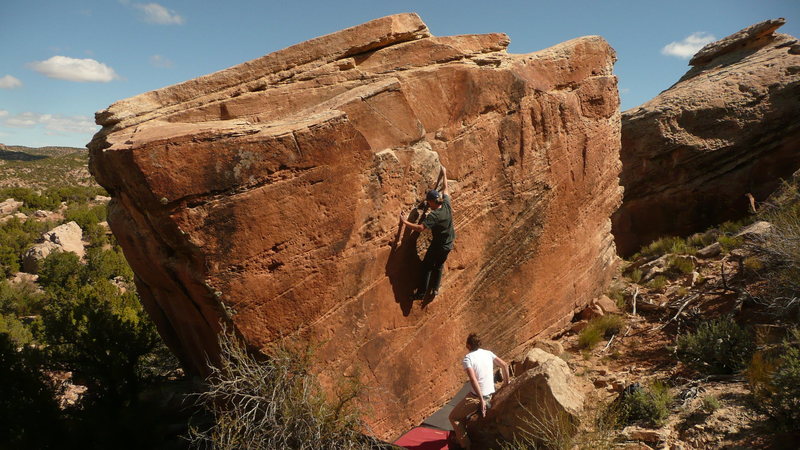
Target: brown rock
column 710, row 250
column 607, row 305
column 66, row 238
column 9, row 206
column 728, row 128
column 590, row 312
column 266, row 195
column 552, row 347
column 578, row 326
column 547, row 394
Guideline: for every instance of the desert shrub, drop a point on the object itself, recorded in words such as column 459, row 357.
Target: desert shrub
column 104, row 264
column 61, row 272
column 599, row 328
column 700, row 240
column 682, row 265
column 20, row 299
column 658, row 283
column 618, row 295
column 74, row 194
column 85, row 215
column 669, row 244
column 636, row 275
column 729, row 243
column 274, row 403
column 552, row 430
column 15, row 237
column 16, row 331
column 779, row 249
column 774, row 379
column 649, row 405
column 709, row 404
column 29, row 413
column 734, row 226
column 31, row 199
column 718, row 346
column 103, row 337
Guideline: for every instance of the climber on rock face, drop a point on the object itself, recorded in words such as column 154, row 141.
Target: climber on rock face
column 440, row 221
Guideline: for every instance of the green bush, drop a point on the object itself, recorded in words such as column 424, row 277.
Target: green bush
column 682, row 265
column 729, row 243
column 779, row 250
column 29, row 413
column 16, row 331
column 102, row 264
column 31, row 199
column 103, row 337
column 649, row 405
column 718, row 346
column 774, row 379
column 15, row 237
column 61, row 272
column 658, row 283
column 85, row 215
column 710, row 404
column 670, row 244
column 599, row 328
column 20, row 299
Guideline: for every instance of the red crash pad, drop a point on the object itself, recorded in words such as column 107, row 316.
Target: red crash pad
column 423, row 438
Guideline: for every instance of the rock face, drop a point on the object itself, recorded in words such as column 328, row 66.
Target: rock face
column 66, row 238
column 266, row 196
column 729, row 127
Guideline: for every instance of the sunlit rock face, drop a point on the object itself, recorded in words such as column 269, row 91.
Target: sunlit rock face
column 265, row 197
column 727, row 128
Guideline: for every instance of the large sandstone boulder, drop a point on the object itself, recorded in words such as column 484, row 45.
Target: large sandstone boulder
column 266, row 196
column 729, row 127
column 545, row 397
column 66, row 238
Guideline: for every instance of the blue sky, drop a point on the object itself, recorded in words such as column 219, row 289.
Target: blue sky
column 62, row 60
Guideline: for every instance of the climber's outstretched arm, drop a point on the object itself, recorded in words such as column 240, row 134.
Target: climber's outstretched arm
column 413, row 226
column 443, row 178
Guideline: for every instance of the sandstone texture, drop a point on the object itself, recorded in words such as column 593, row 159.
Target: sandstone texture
column 65, row 238
column 728, row 128
column 266, row 196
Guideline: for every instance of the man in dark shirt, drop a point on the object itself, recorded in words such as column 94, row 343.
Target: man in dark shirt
column 440, row 221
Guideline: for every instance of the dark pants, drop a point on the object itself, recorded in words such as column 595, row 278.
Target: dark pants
column 432, row 266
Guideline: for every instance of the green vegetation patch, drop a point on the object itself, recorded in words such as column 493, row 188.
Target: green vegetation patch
column 600, row 328
column 718, row 346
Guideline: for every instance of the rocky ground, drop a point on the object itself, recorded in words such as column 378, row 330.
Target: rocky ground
column 706, row 411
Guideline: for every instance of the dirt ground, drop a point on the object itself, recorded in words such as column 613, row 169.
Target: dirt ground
column 708, row 412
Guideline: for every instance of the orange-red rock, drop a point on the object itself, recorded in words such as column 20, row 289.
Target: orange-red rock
column 727, row 128
column 266, row 196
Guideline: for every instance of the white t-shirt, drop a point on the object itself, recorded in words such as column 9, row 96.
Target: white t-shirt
column 482, row 362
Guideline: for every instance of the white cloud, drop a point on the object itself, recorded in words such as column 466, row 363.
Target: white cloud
column 157, row 14
column 72, row 69
column 624, row 90
column 688, row 46
column 9, row 82
column 51, row 123
column 161, row 61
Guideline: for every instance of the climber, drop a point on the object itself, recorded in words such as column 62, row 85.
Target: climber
column 440, row 221
column 479, row 365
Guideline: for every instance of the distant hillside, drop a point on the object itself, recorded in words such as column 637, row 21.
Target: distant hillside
column 44, row 167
